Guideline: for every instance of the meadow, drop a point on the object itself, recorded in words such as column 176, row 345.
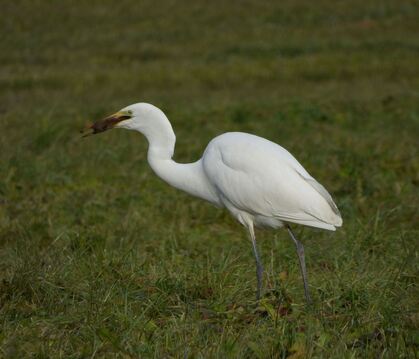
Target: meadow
column 101, row 259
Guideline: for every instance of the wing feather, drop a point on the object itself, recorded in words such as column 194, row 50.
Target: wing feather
column 262, row 178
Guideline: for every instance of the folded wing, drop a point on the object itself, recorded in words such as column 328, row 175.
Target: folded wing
column 262, row 178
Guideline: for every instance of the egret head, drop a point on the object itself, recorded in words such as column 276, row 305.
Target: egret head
column 138, row 117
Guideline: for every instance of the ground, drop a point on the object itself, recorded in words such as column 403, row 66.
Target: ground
column 100, row 258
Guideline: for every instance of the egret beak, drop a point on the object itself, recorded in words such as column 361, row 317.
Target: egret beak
column 106, row 123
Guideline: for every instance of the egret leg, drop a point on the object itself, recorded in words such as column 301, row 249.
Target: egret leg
column 300, row 252
column 259, row 267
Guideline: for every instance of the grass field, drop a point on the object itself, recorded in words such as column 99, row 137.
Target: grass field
column 100, row 258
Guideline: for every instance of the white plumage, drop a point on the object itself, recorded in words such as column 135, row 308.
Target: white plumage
column 258, row 181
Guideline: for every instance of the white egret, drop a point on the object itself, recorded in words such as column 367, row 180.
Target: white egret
column 259, row 182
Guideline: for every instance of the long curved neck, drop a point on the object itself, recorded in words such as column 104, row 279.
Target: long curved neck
column 188, row 177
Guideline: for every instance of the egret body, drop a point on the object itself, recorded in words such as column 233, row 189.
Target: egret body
column 259, row 182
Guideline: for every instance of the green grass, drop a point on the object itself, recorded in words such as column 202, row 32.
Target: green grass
column 100, row 258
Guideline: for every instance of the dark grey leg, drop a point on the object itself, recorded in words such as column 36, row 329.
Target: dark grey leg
column 259, row 268
column 300, row 252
